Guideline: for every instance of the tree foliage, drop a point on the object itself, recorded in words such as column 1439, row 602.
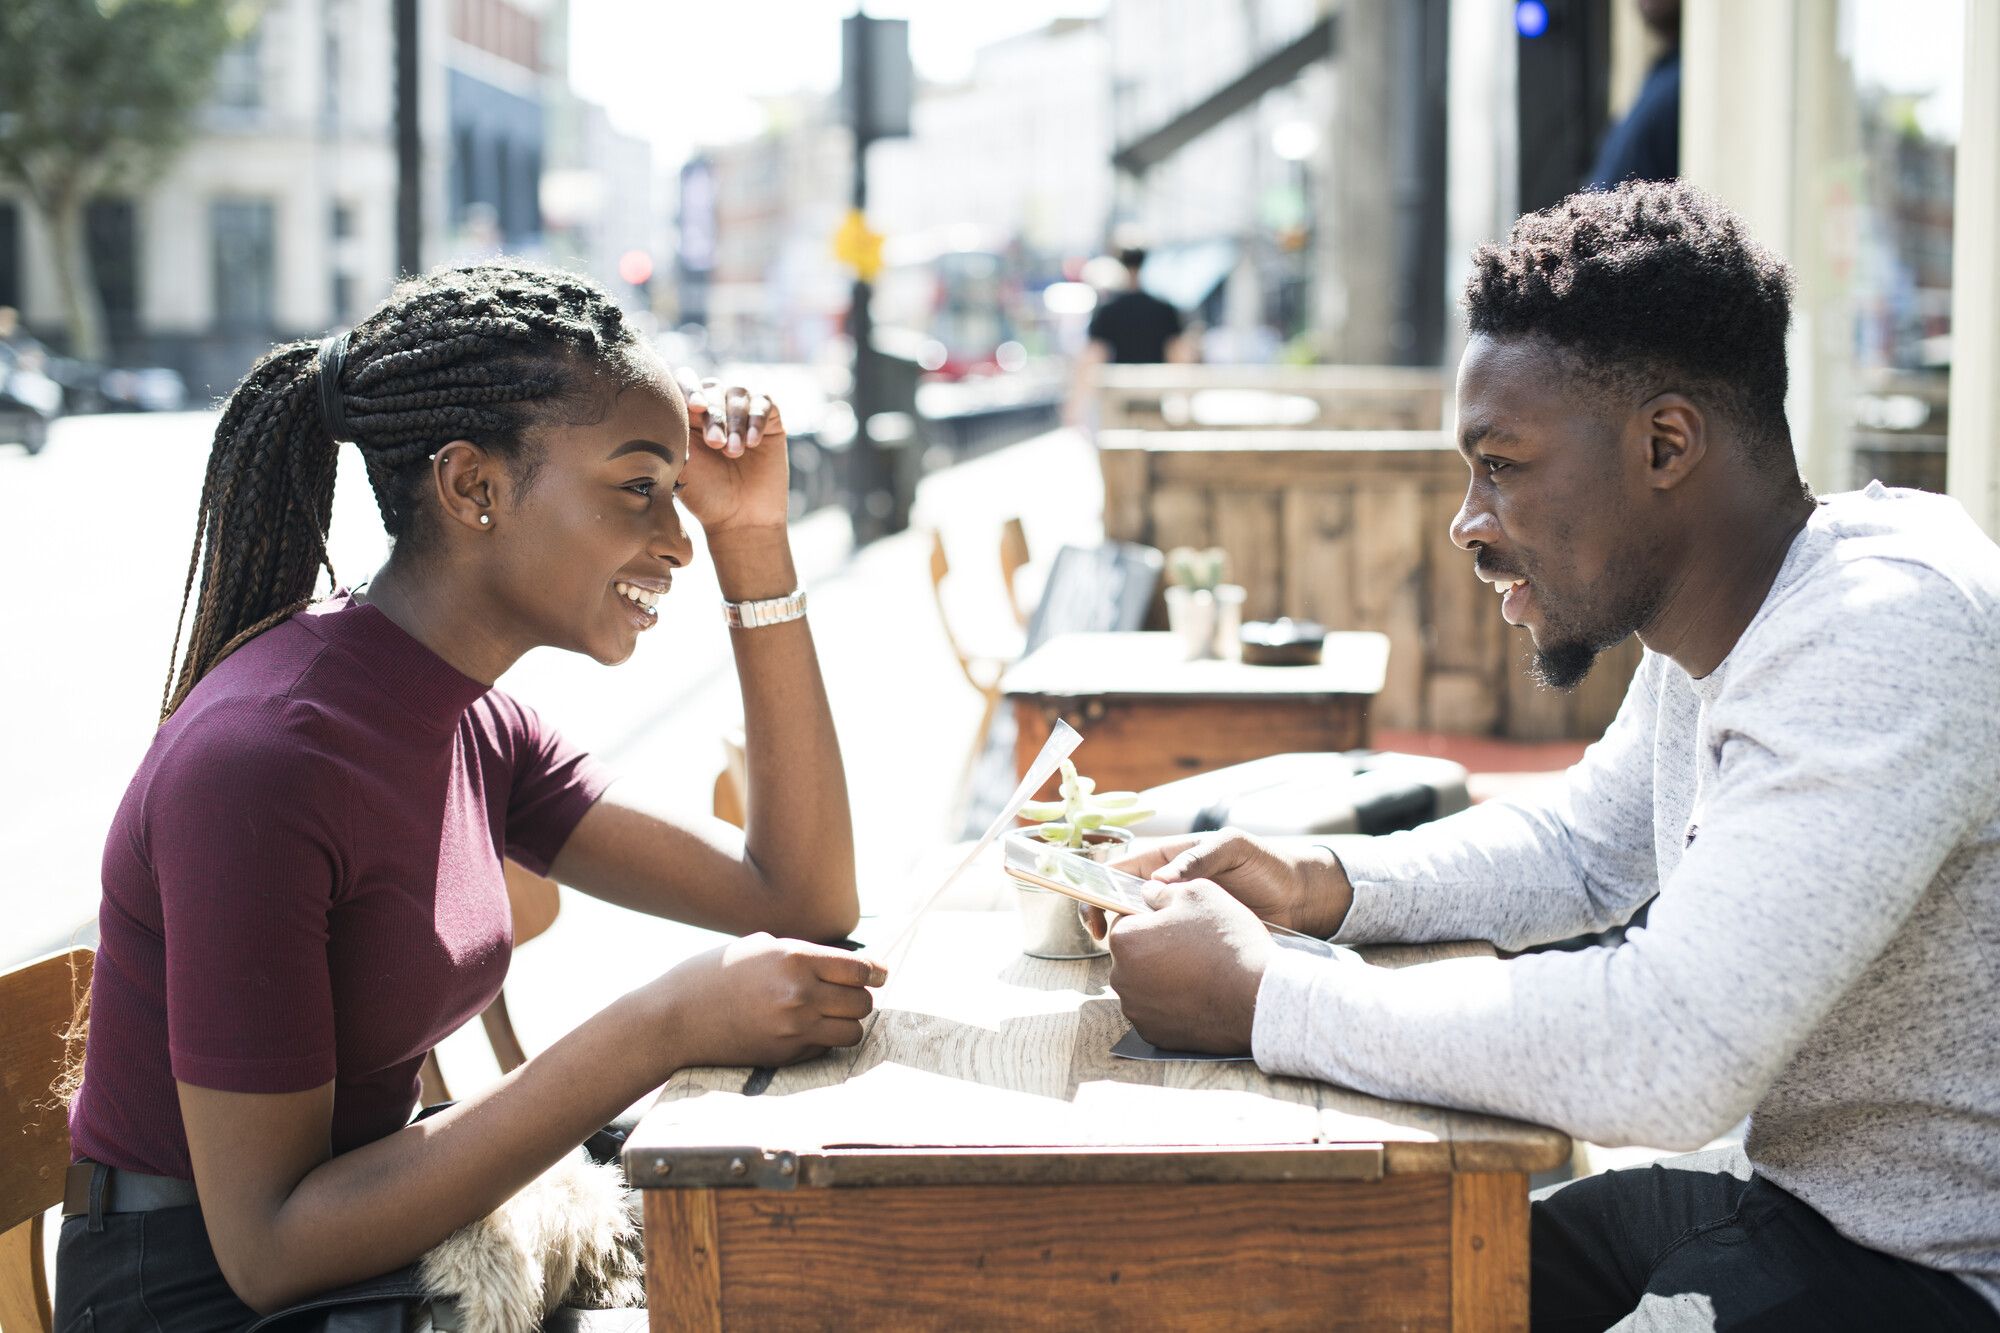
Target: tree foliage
column 96, row 93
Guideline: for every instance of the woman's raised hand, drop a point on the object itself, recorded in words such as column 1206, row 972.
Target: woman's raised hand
column 766, row 1001
column 739, row 466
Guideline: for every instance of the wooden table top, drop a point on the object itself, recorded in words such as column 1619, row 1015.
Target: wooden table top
column 1155, row 664
column 983, row 1065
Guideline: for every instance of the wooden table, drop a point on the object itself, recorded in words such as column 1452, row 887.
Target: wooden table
column 1148, row 715
column 981, row 1160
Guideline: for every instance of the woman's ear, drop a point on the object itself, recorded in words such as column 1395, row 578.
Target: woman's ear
column 469, row 481
column 1676, row 438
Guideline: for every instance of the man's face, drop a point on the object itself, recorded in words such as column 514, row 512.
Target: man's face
column 1555, row 505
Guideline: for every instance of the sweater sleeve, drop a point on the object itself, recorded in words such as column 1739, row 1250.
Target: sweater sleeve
column 1522, row 872
column 1839, row 789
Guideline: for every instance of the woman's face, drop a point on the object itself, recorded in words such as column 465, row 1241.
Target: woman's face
column 597, row 535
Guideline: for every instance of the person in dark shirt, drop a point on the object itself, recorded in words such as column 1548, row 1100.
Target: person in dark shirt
column 1646, row 145
column 1135, row 327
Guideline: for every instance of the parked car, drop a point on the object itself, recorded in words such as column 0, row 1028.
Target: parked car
column 142, row 389
column 29, row 401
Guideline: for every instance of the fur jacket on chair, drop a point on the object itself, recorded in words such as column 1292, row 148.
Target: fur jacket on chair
column 570, row 1237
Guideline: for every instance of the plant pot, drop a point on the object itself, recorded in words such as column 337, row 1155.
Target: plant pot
column 1229, row 621
column 1191, row 615
column 1052, row 923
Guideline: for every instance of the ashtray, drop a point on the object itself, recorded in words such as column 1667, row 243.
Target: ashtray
column 1283, row 642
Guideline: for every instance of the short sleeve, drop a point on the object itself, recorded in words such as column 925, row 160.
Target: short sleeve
column 1100, row 323
column 552, row 786
column 239, row 832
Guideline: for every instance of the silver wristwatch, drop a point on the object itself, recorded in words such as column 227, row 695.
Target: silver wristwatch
column 768, row 611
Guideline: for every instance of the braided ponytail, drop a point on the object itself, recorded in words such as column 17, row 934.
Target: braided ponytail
column 483, row 353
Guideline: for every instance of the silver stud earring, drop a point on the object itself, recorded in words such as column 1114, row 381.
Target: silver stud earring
column 485, row 519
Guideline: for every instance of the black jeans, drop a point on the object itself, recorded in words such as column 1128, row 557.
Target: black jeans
column 150, row 1271
column 1698, row 1243
column 156, row 1272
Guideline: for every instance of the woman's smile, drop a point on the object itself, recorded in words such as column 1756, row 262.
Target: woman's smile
column 641, row 599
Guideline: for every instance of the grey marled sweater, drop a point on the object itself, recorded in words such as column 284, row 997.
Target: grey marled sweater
column 1820, row 817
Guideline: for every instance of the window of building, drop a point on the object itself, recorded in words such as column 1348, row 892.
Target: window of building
column 245, row 264
column 329, row 108
column 10, row 255
column 1885, row 197
column 110, row 233
column 239, row 74
column 464, row 161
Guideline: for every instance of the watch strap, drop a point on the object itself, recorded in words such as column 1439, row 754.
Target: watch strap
column 765, row 611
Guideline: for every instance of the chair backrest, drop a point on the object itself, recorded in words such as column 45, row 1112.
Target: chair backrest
column 1013, row 557
column 533, row 899
column 1089, row 589
column 38, row 1002
column 732, row 784
column 940, row 571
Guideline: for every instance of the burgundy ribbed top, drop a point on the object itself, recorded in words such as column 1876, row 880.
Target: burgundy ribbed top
column 303, row 882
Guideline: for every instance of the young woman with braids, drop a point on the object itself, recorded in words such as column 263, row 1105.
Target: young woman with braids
column 303, row 887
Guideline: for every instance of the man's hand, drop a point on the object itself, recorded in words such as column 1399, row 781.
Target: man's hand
column 1306, row 892
column 1187, row 973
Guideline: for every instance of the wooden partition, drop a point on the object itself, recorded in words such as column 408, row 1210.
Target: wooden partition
column 1218, row 397
column 1351, row 529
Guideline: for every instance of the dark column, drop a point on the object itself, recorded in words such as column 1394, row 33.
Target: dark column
column 409, row 145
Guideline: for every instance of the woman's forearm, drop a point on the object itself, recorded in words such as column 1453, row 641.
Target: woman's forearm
column 800, row 833
column 382, row 1205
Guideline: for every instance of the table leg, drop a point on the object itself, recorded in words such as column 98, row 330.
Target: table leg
column 1489, row 1252
column 683, row 1261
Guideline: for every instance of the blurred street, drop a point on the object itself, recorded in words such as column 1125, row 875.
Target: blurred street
column 95, row 531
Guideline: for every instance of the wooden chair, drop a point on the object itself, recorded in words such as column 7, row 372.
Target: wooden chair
column 38, row 1003
column 732, row 784
column 982, row 668
column 1013, row 558
column 535, row 900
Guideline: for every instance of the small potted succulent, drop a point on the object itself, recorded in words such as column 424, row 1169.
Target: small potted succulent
column 1203, row 609
column 1082, row 822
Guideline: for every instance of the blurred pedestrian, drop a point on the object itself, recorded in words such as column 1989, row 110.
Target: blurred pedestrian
column 1132, row 328
column 1135, row 327
column 1646, row 144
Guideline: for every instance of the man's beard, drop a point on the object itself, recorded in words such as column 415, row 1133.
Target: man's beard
column 1575, row 641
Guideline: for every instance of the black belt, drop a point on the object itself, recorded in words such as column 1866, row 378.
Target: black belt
column 123, row 1191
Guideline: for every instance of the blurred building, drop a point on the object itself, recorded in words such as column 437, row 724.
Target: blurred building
column 1013, row 156
column 771, row 290
column 277, row 220
column 1229, row 220
column 601, row 204
column 496, row 87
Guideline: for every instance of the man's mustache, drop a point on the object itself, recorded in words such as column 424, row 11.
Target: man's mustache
column 1493, row 572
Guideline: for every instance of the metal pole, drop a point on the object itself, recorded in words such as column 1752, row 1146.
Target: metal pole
column 409, row 145
column 870, row 498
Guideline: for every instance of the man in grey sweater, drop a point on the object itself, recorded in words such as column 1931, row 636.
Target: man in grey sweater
column 1804, row 779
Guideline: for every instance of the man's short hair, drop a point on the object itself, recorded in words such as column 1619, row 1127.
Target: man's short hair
column 1652, row 286
column 1132, row 257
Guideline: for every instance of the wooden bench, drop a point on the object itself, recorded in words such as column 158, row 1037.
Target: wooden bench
column 1352, row 529
column 1223, row 397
